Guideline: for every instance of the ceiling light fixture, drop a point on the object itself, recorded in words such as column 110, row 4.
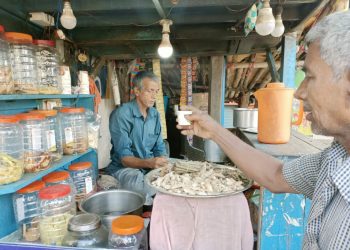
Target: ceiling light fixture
column 265, row 23
column 279, row 27
column 165, row 50
column 68, row 19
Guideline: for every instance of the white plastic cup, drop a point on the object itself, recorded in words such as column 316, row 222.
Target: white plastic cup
column 181, row 117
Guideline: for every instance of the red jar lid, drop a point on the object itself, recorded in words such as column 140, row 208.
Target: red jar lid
column 127, row 225
column 56, row 176
column 2, row 29
column 18, row 37
column 72, row 110
column 8, row 119
column 54, row 192
column 47, row 113
column 30, row 116
column 35, row 186
column 49, row 43
column 80, row 166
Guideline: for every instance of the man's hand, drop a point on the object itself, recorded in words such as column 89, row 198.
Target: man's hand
column 202, row 124
column 157, row 162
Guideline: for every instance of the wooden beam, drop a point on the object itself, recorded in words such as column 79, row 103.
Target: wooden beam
column 257, row 65
column 217, row 88
column 159, row 8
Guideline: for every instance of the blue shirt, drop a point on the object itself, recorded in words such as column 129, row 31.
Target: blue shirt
column 132, row 135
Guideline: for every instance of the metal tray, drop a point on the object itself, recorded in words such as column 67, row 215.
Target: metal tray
column 152, row 175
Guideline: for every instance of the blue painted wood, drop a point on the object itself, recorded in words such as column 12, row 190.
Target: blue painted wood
column 30, row 177
column 40, row 97
column 289, row 49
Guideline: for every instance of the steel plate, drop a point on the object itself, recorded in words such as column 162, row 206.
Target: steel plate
column 154, row 174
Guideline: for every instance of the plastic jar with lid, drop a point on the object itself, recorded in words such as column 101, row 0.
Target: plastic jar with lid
column 11, row 149
column 84, row 179
column 86, row 230
column 6, row 84
column 53, row 134
column 74, row 130
column 57, row 206
column 23, row 62
column 36, row 154
column 126, row 232
column 27, row 211
column 59, row 177
column 48, row 67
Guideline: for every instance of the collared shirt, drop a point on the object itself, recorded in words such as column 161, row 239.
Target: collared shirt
column 132, row 135
column 324, row 178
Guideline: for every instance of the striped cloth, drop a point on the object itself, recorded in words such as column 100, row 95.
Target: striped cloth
column 324, row 178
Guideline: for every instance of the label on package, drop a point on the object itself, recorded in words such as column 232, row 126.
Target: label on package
column 68, row 133
column 51, row 140
column 20, row 208
column 88, row 184
column 36, row 139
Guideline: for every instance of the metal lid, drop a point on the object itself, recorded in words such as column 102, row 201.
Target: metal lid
column 84, row 222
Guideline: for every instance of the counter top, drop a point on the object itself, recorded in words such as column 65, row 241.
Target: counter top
column 298, row 145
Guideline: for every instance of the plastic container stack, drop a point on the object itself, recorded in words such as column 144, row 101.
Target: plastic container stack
column 84, row 179
column 6, row 84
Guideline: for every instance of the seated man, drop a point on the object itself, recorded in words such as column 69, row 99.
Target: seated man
column 136, row 137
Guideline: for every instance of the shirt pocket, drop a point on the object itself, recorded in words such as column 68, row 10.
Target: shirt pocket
column 151, row 140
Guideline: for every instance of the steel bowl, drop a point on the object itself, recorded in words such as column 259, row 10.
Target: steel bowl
column 111, row 204
column 245, row 118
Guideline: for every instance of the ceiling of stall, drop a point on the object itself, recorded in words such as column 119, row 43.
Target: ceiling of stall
column 130, row 28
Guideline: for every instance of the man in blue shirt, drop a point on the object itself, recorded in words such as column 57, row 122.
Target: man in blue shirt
column 136, row 136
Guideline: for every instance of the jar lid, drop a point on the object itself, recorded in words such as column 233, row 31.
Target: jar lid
column 30, row 116
column 8, row 119
column 72, row 110
column 2, row 29
column 18, row 37
column 127, row 224
column 54, row 192
column 47, row 113
column 56, row 176
column 84, row 222
column 33, row 187
column 49, row 43
column 80, row 166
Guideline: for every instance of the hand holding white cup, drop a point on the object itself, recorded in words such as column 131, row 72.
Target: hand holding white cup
column 181, row 120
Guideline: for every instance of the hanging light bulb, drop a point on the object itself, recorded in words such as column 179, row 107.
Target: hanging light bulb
column 265, row 23
column 165, row 50
column 68, row 19
column 279, row 27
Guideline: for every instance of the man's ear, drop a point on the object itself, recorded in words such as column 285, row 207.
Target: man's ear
column 137, row 91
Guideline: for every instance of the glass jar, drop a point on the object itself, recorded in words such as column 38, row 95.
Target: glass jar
column 85, row 230
column 47, row 61
column 59, row 177
column 11, row 149
column 6, row 84
column 23, row 62
column 27, row 212
column 36, row 154
column 53, row 134
column 126, row 232
column 57, row 206
column 74, row 130
column 84, row 179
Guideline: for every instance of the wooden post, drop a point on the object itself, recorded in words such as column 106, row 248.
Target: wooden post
column 272, row 66
column 217, row 88
column 288, row 61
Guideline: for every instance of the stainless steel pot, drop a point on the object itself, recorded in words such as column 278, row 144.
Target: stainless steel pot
column 111, row 204
column 213, row 152
column 245, row 118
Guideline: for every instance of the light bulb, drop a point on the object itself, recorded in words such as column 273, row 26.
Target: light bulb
column 265, row 22
column 165, row 50
column 68, row 19
column 279, row 27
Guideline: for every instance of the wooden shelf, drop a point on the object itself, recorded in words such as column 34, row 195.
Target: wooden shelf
column 31, row 177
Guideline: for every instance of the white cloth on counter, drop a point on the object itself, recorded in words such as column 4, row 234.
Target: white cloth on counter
column 179, row 223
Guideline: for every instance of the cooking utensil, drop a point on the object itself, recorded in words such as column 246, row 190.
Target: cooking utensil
column 245, row 118
column 111, row 204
